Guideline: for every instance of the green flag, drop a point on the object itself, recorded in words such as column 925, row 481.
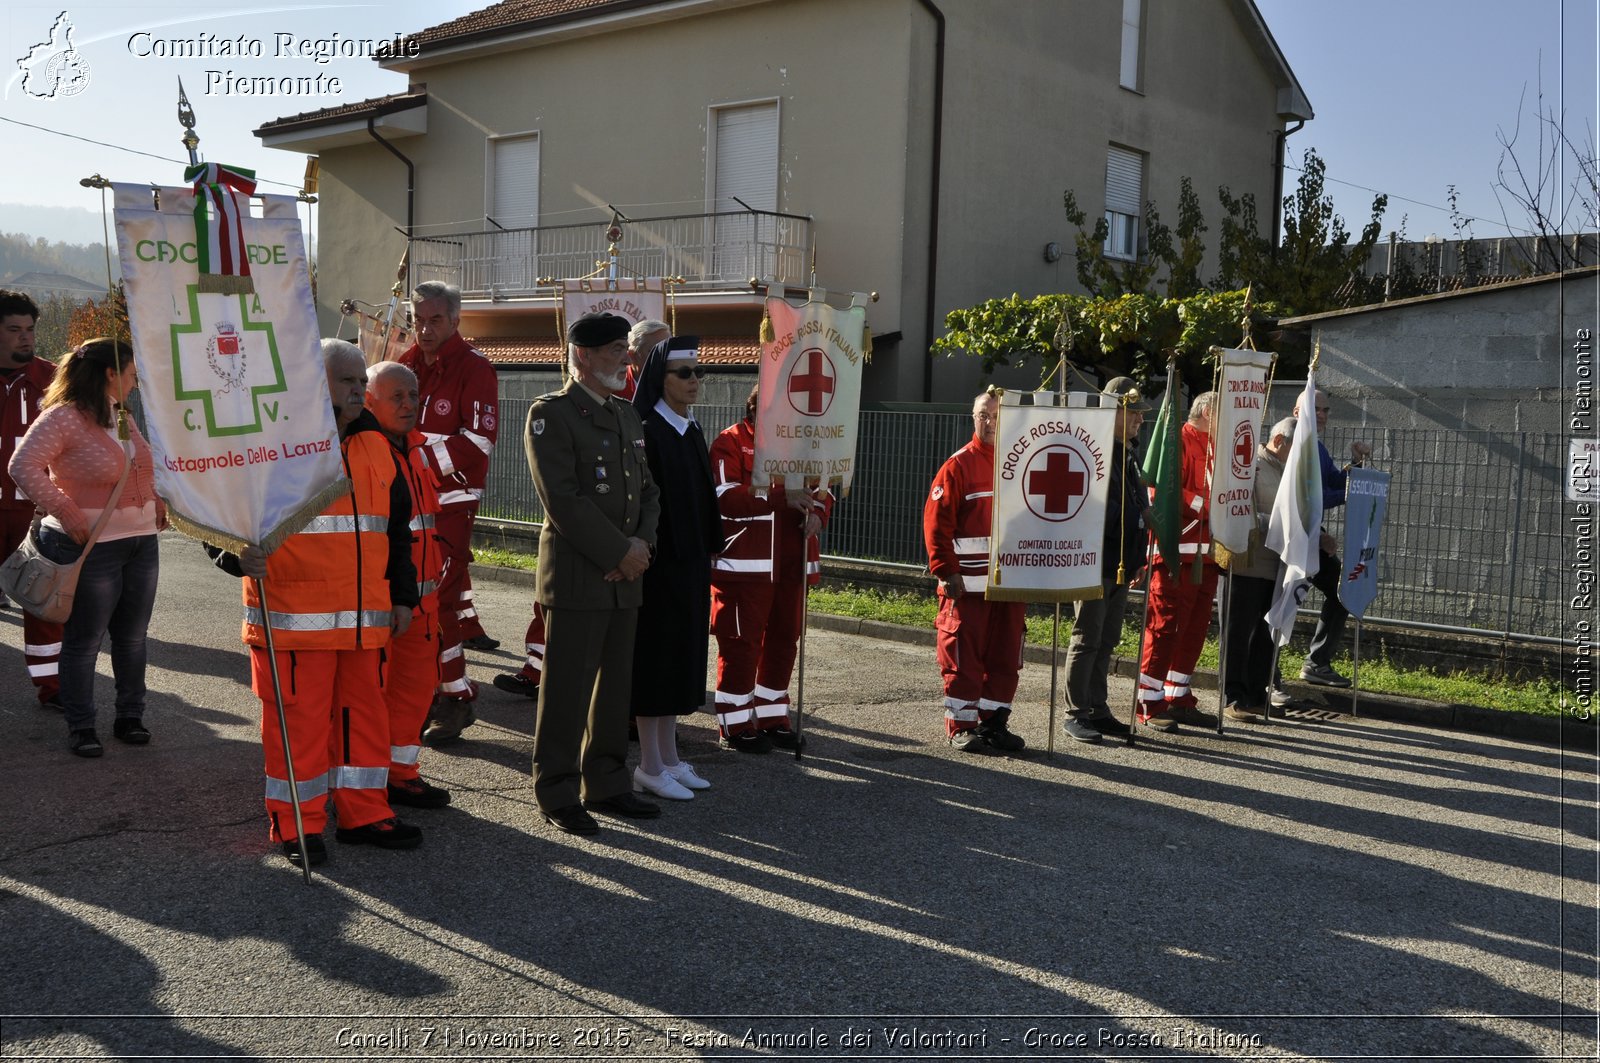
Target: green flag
column 1163, row 460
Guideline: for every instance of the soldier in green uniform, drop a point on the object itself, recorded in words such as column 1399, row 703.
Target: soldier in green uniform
column 586, row 452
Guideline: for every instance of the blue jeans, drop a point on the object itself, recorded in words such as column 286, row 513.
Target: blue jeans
column 116, row 595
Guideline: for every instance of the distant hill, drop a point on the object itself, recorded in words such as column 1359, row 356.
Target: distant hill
column 25, row 253
column 67, row 225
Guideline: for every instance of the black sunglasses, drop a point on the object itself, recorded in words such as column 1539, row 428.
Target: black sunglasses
column 684, row 372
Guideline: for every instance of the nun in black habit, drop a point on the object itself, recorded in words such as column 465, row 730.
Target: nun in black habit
column 669, row 654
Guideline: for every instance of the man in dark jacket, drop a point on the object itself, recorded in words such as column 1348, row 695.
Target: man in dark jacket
column 1097, row 622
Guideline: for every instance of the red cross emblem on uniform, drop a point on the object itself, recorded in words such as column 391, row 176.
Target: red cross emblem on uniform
column 1244, row 449
column 811, row 383
column 1056, row 483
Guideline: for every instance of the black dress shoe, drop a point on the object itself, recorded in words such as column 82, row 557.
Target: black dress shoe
column 481, row 642
column 624, row 804
column 572, row 819
column 85, row 743
column 516, row 683
column 314, row 848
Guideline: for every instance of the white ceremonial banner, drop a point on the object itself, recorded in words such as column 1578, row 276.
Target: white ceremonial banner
column 1366, row 497
column 235, row 397
column 810, row 403
column 1051, row 481
column 636, row 300
column 1241, row 404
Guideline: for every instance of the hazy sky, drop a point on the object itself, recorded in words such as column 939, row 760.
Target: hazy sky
column 1408, row 93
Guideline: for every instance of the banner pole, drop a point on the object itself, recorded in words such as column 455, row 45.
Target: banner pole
column 1055, row 666
column 283, row 731
column 1222, row 642
column 1138, row 657
column 800, row 662
column 1355, row 675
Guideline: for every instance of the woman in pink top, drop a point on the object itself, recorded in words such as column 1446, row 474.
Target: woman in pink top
column 68, row 465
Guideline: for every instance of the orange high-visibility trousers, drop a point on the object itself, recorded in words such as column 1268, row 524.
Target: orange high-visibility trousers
column 410, row 678
column 338, row 733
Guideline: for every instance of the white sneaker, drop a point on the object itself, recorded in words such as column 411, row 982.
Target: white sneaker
column 684, row 772
column 662, row 785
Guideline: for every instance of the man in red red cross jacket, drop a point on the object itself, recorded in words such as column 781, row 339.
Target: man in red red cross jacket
column 23, row 379
column 459, row 422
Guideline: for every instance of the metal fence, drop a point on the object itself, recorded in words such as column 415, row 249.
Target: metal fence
column 1474, row 536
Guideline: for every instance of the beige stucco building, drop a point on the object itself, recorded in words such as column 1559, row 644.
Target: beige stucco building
column 915, row 148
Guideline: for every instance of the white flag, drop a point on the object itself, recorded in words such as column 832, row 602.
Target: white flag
column 1241, row 402
column 1295, row 530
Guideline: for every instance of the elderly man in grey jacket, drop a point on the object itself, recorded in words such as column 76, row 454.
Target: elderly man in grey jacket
column 1248, row 650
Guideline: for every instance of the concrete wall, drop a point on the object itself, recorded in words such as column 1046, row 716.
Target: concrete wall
column 1489, row 359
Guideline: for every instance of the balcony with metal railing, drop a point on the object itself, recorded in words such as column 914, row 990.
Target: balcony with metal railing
column 709, row 251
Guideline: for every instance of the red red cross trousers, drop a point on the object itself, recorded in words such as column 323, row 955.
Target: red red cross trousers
column 814, row 385
column 1058, row 484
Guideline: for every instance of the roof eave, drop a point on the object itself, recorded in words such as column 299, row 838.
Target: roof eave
column 623, row 14
column 317, row 135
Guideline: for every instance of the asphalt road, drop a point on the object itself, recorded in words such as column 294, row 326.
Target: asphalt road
column 1319, row 888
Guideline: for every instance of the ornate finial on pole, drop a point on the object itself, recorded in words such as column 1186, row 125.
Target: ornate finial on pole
column 191, row 140
column 1247, row 342
column 1316, row 350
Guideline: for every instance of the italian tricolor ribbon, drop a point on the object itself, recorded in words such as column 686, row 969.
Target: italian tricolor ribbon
column 219, row 232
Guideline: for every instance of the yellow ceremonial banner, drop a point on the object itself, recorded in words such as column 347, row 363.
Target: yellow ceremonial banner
column 1051, row 484
column 810, row 402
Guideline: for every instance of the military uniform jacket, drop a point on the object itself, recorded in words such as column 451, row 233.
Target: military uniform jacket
column 589, row 467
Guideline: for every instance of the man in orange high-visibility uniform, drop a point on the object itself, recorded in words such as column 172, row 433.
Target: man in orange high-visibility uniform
column 412, row 672
column 979, row 642
column 336, row 592
column 758, row 586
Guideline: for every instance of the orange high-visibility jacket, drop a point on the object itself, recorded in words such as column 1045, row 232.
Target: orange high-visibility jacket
column 328, row 585
column 426, row 553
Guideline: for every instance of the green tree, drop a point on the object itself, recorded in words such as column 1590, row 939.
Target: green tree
column 1179, row 251
column 1129, row 334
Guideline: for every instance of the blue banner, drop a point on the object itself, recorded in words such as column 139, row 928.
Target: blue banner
column 1366, row 502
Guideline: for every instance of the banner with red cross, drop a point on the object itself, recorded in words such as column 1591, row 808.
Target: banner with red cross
column 1051, row 481
column 1241, row 404
column 635, row 300
column 809, row 407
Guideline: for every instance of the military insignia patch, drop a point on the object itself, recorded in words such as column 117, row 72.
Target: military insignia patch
column 537, row 426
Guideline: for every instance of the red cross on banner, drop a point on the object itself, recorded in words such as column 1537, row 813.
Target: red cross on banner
column 812, row 382
column 1243, row 450
column 1057, row 485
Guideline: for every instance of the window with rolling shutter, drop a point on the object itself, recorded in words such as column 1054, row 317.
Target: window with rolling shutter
column 1124, row 200
column 745, row 161
column 514, row 199
column 514, row 204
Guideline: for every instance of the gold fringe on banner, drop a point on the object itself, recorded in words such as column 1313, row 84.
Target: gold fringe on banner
column 866, row 342
column 225, row 284
column 293, row 523
column 766, row 326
